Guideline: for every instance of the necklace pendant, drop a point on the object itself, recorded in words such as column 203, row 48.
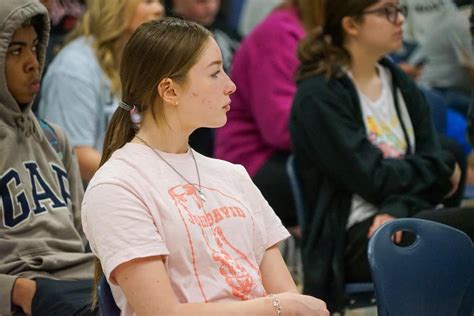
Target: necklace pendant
column 202, row 196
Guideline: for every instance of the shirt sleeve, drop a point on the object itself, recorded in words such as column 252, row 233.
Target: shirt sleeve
column 71, row 102
column 274, row 231
column 6, row 288
column 119, row 226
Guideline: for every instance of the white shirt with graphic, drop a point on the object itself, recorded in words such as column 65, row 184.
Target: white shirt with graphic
column 136, row 206
column 384, row 131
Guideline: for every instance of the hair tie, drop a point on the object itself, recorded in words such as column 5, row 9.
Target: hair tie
column 135, row 115
column 125, row 106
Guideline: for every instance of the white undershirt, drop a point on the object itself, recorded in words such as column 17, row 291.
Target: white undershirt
column 384, row 131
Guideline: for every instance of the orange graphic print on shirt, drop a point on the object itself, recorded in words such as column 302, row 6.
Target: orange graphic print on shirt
column 234, row 266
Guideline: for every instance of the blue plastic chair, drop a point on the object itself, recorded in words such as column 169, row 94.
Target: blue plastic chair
column 357, row 294
column 432, row 276
column 295, row 189
column 107, row 306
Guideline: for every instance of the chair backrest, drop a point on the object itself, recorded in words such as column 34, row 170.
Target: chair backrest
column 432, row 276
column 292, row 172
column 358, row 294
column 107, row 304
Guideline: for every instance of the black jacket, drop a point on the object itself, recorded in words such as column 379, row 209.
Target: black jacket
column 336, row 160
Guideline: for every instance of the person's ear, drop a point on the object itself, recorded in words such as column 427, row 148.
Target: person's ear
column 168, row 91
column 350, row 26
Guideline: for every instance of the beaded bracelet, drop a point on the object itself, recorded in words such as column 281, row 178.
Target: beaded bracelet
column 276, row 303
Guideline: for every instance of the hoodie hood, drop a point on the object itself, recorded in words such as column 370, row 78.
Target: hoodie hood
column 13, row 13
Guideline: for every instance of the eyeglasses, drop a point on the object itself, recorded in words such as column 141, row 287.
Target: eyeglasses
column 391, row 12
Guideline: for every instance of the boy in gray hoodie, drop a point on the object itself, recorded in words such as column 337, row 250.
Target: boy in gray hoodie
column 41, row 240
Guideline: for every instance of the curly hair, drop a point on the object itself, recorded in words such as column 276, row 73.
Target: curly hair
column 322, row 51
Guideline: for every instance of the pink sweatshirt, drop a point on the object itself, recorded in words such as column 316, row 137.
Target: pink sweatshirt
column 263, row 69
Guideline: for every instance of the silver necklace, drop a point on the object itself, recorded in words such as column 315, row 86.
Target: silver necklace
column 200, row 193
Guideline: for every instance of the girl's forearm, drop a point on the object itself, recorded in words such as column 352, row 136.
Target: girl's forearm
column 260, row 306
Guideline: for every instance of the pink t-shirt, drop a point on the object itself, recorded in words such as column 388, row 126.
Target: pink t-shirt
column 137, row 206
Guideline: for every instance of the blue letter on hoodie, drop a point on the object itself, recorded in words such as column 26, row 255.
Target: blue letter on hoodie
column 10, row 218
column 63, row 181
column 47, row 193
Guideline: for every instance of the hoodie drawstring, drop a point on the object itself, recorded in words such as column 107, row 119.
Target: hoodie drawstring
column 26, row 127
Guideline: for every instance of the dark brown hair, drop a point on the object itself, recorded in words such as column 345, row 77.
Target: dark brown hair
column 159, row 49
column 322, row 50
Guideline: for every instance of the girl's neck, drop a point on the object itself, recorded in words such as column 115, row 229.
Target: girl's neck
column 363, row 64
column 364, row 72
column 163, row 137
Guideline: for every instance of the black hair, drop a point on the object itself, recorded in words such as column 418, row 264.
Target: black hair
column 37, row 23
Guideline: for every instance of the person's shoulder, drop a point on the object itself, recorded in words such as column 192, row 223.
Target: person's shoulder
column 57, row 131
column 123, row 166
column 322, row 94
column 314, row 81
column 402, row 80
column 407, row 86
column 457, row 21
column 80, row 48
column 282, row 14
column 279, row 24
column 76, row 58
column 220, row 166
column 322, row 86
column 211, row 161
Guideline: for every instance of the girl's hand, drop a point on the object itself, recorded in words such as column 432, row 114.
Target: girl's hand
column 301, row 305
column 379, row 220
column 455, row 178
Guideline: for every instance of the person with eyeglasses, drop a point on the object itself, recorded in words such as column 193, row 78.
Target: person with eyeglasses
column 364, row 143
